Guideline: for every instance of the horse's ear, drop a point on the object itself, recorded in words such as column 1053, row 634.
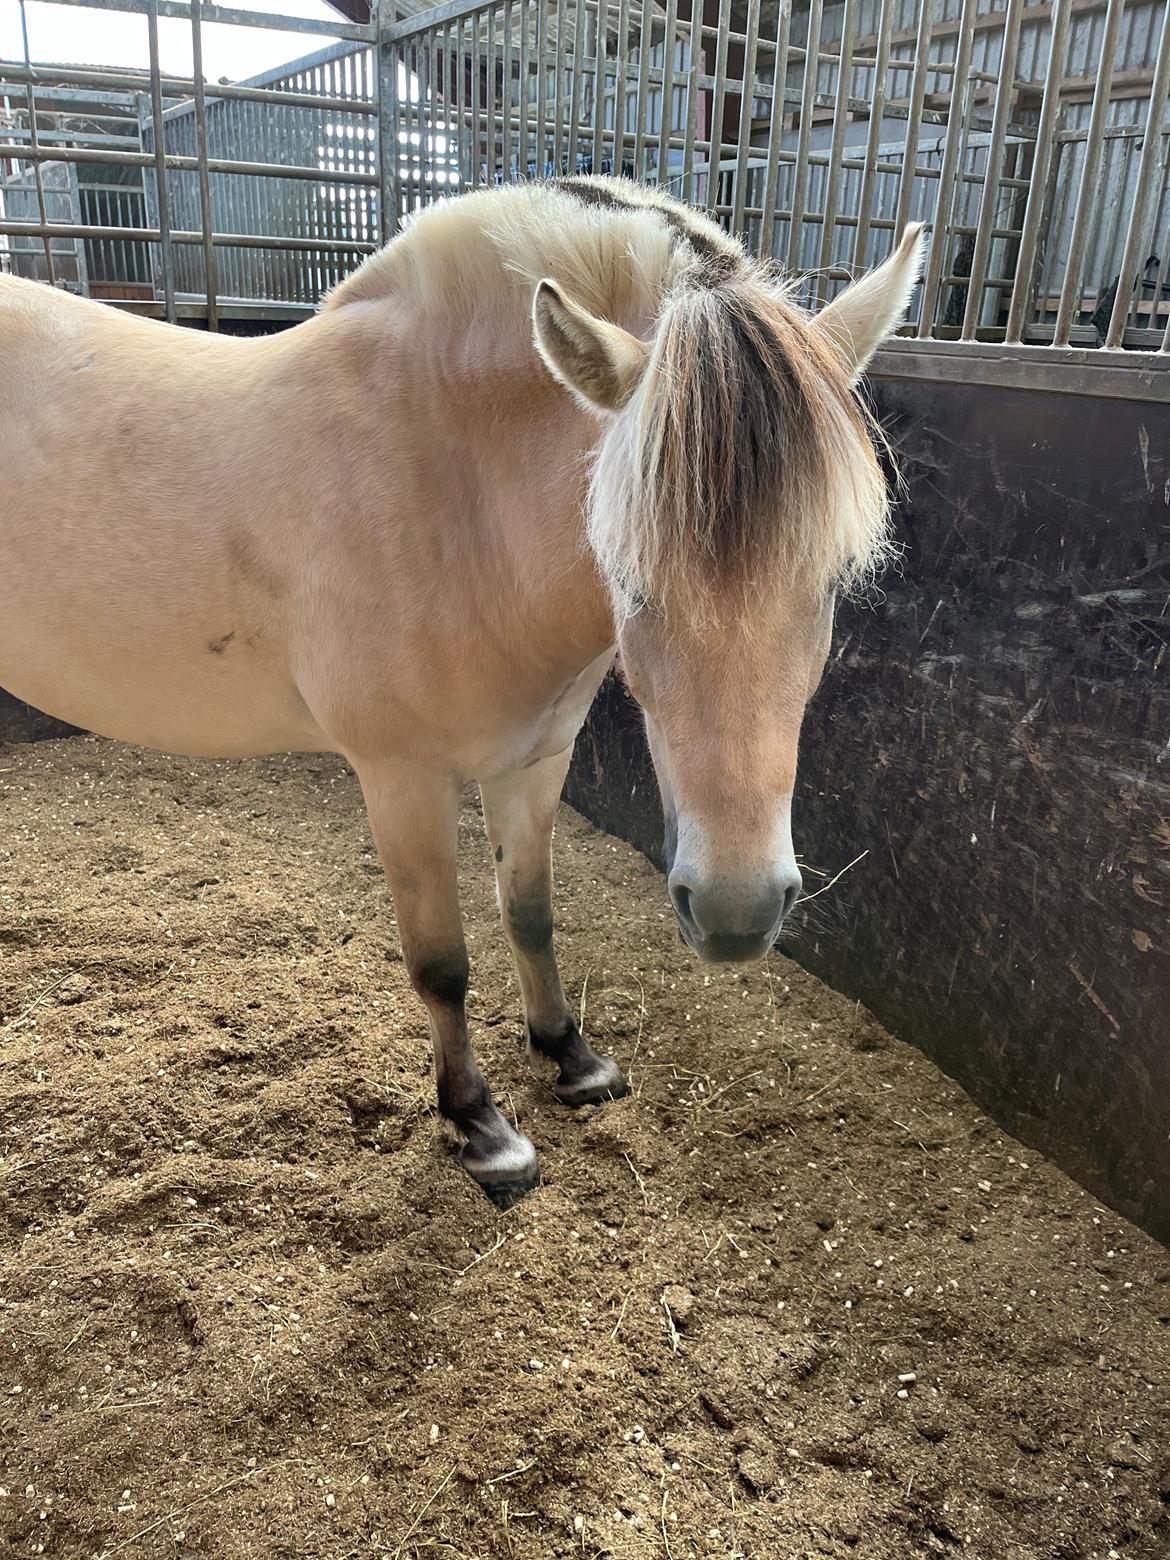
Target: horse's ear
column 859, row 319
column 599, row 362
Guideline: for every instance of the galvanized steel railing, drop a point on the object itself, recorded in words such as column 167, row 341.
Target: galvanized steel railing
column 1033, row 139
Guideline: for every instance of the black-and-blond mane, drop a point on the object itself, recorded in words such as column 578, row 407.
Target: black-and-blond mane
column 744, row 452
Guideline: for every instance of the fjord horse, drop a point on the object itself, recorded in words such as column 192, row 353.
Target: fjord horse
column 543, row 423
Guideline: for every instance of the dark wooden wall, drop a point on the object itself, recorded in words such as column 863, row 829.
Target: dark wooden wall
column 995, row 733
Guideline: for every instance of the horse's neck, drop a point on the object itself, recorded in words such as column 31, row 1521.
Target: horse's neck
column 477, row 416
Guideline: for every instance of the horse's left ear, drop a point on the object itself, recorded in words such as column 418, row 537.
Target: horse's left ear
column 860, row 318
column 598, row 361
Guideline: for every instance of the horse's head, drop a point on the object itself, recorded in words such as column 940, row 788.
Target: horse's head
column 736, row 489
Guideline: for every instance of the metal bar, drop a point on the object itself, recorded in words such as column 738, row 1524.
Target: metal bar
column 598, row 130
column 645, row 34
column 386, row 64
column 873, row 138
column 715, row 129
column 358, row 32
column 175, row 160
column 746, row 98
column 944, row 198
column 1004, row 95
column 1088, row 193
column 506, row 88
column 575, row 94
column 800, row 177
column 147, row 235
column 837, row 147
column 162, row 197
column 522, row 93
column 489, row 105
column 914, row 115
column 429, row 108
column 695, row 51
column 541, row 85
column 1041, row 163
column 1137, row 233
column 210, row 275
column 776, row 129
column 462, row 139
column 38, row 181
column 666, row 110
column 558, row 86
column 621, row 65
column 83, row 76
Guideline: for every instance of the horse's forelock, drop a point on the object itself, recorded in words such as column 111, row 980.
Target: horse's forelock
column 745, row 454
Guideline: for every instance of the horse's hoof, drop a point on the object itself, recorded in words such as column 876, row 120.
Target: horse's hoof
column 506, row 1194
column 506, row 1172
column 602, row 1082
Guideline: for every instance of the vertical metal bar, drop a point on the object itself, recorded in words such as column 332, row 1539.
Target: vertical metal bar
column 645, row 38
column 541, row 86
column 522, row 94
column 1038, row 176
column 914, row 116
column 1088, row 195
column 166, row 250
column 210, row 274
column 877, row 109
column 666, row 117
column 462, row 133
column 621, row 65
column 476, row 108
column 506, row 88
column 715, row 140
column 1137, row 235
column 490, row 104
column 695, row 46
column 776, row 128
column 944, row 196
column 602, row 29
column 435, row 96
column 837, row 149
column 746, row 97
column 1004, row 94
column 558, row 86
column 35, row 146
column 577, row 57
column 800, row 177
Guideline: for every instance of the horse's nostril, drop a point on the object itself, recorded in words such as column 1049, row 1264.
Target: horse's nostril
column 680, row 898
column 791, row 896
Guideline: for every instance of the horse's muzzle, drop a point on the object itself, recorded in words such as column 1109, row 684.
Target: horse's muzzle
column 732, row 923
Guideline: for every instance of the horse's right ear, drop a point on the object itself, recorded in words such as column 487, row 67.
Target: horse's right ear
column 599, row 362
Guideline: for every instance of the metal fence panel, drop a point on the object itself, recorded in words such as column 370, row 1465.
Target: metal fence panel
column 814, row 129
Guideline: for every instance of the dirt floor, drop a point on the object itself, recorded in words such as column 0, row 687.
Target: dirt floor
column 795, row 1297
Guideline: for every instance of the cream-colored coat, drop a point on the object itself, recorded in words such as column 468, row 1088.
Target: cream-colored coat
column 367, row 535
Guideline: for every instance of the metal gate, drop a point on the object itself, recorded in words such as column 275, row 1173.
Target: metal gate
column 1033, row 139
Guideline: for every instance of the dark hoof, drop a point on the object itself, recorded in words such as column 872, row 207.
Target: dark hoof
column 506, row 1194
column 506, row 1170
column 593, row 1088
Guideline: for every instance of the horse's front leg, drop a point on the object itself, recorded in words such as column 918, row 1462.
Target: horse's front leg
column 519, row 809
column 415, row 819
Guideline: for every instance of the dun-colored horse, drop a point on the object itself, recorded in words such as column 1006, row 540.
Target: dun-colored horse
column 543, row 423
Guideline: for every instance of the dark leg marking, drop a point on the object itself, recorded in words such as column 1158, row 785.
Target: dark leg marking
column 446, row 978
column 498, row 1159
column 499, row 853
column 531, row 924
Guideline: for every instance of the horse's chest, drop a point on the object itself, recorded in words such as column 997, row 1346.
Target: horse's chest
column 553, row 729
